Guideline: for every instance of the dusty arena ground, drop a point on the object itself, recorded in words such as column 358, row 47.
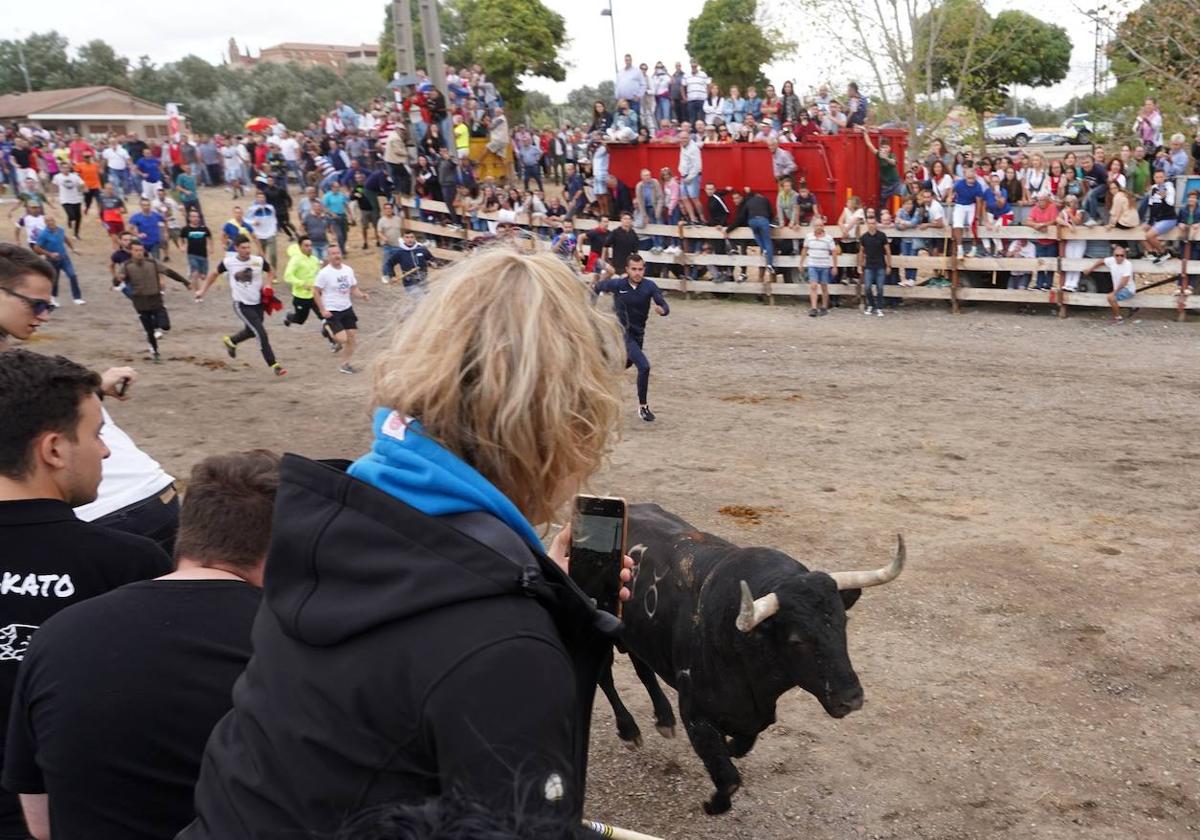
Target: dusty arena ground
column 1033, row 674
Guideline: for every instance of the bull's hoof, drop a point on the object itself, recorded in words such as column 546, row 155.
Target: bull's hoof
column 666, row 731
column 630, row 735
column 720, row 802
column 634, row 743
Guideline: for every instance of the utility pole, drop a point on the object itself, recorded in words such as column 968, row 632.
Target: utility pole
column 431, row 32
column 406, row 59
column 24, row 67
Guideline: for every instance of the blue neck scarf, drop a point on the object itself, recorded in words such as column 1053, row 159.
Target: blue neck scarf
column 406, row 463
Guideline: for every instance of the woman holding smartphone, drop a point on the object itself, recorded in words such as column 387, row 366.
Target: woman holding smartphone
column 414, row 638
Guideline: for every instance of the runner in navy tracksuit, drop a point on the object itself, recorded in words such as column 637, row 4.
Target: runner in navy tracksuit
column 632, row 296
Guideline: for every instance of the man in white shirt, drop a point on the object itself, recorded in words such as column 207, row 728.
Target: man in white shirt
column 696, row 85
column 289, row 147
column 265, row 224
column 1124, row 286
column 250, row 277
column 819, row 255
column 631, row 85
column 690, row 169
column 70, row 195
column 116, row 166
column 333, row 291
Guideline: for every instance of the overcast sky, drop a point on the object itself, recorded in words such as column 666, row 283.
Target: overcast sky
column 648, row 30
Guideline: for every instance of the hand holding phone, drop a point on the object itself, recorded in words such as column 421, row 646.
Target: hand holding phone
column 598, row 526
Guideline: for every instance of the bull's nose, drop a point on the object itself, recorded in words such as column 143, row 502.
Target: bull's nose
column 849, row 701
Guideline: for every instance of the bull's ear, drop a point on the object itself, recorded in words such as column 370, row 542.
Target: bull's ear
column 849, row 597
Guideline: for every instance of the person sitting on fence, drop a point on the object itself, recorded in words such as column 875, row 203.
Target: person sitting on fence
column 999, row 214
column 1160, row 215
column 625, row 124
column 755, row 213
column 909, row 218
column 968, row 206
column 934, row 219
column 1123, row 282
column 1020, row 249
column 1042, row 218
column 1069, row 220
column 1189, row 219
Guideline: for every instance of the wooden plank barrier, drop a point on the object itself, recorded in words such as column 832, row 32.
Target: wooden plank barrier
column 1162, row 273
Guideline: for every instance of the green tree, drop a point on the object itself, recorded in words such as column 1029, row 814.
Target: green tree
column 730, row 43
column 97, row 63
column 452, row 37
column 510, row 39
column 580, row 101
column 979, row 57
column 46, row 62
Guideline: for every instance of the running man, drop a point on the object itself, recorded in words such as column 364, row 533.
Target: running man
column 632, row 295
column 332, row 293
column 249, row 275
column 144, row 283
column 300, row 274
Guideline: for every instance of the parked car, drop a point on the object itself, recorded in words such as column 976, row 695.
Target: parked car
column 1078, row 128
column 1015, row 131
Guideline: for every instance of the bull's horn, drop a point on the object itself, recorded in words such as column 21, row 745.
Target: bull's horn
column 755, row 611
column 861, row 580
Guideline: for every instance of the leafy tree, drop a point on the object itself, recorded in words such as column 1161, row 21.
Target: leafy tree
column 979, row 57
column 510, row 39
column 1156, row 45
column 580, row 101
column 449, row 21
column 45, row 60
column 731, row 45
column 97, row 63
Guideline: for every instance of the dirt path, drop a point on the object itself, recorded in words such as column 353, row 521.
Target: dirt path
column 1034, row 672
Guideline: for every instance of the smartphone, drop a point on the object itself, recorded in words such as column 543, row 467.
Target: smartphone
column 598, row 527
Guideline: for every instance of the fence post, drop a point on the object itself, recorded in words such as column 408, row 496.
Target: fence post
column 1059, row 275
column 954, row 274
column 1184, row 282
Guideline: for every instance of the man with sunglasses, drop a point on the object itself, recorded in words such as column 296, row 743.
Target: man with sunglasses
column 1124, row 286
column 136, row 495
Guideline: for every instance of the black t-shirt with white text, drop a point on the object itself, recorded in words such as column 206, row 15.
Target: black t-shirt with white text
column 50, row 561
column 197, row 240
column 115, row 702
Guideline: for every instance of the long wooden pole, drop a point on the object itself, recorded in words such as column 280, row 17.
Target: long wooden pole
column 605, row 830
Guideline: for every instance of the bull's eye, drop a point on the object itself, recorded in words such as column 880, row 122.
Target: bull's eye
column 797, row 641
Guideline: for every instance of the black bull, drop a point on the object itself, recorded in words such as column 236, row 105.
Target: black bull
column 731, row 630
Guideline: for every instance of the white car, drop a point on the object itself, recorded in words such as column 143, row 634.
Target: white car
column 1013, row 130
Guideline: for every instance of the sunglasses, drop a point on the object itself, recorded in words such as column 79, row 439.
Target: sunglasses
column 40, row 306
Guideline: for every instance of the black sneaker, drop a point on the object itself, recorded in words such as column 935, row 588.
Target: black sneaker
column 822, row 311
column 645, row 413
column 813, row 313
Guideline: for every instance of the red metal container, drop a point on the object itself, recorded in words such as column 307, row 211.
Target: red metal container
column 835, row 166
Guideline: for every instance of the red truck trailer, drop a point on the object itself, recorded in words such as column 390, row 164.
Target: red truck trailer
column 835, row 166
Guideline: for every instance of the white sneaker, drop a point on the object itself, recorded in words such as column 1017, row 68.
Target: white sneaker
column 1091, row 223
column 879, row 312
column 868, row 310
column 385, row 280
column 158, row 333
column 53, row 301
column 80, row 301
column 974, row 252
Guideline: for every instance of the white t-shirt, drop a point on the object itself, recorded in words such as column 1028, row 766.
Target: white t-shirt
column 70, row 188
column 262, row 220
column 937, row 213
column 245, row 277
column 128, row 475
column 33, row 226
column 335, row 285
column 290, row 149
column 820, row 251
column 115, row 158
column 1120, row 271
column 169, row 209
column 229, row 156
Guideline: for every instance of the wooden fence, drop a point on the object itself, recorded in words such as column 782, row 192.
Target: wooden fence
column 1162, row 275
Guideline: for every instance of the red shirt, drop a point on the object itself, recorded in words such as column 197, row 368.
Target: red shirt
column 77, row 149
column 1040, row 215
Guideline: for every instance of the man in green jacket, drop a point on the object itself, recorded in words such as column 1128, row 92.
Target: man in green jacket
column 301, row 273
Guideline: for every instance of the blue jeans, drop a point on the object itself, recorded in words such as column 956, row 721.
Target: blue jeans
column 63, row 265
column 1091, row 202
column 873, row 279
column 1045, row 279
column 635, row 105
column 389, row 257
column 908, row 248
column 760, row 226
column 531, row 172
column 662, row 109
column 695, row 111
column 820, row 274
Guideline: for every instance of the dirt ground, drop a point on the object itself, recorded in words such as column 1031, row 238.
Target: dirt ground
column 1033, row 674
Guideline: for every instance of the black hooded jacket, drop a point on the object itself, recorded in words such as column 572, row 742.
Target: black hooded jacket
column 397, row 656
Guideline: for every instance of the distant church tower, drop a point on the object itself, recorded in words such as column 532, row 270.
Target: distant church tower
column 233, row 52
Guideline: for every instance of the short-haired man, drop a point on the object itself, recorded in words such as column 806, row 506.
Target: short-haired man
column 117, row 696
column 413, row 260
column 333, row 293
column 300, row 275
column 144, row 281
column 50, row 461
column 1123, row 283
column 622, row 243
column 249, row 276
column 53, row 244
column 632, row 297
column 819, row 255
column 150, row 228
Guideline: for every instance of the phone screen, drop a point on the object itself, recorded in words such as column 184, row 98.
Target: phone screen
column 597, row 549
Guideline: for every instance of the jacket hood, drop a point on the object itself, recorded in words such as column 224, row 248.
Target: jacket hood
column 346, row 557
